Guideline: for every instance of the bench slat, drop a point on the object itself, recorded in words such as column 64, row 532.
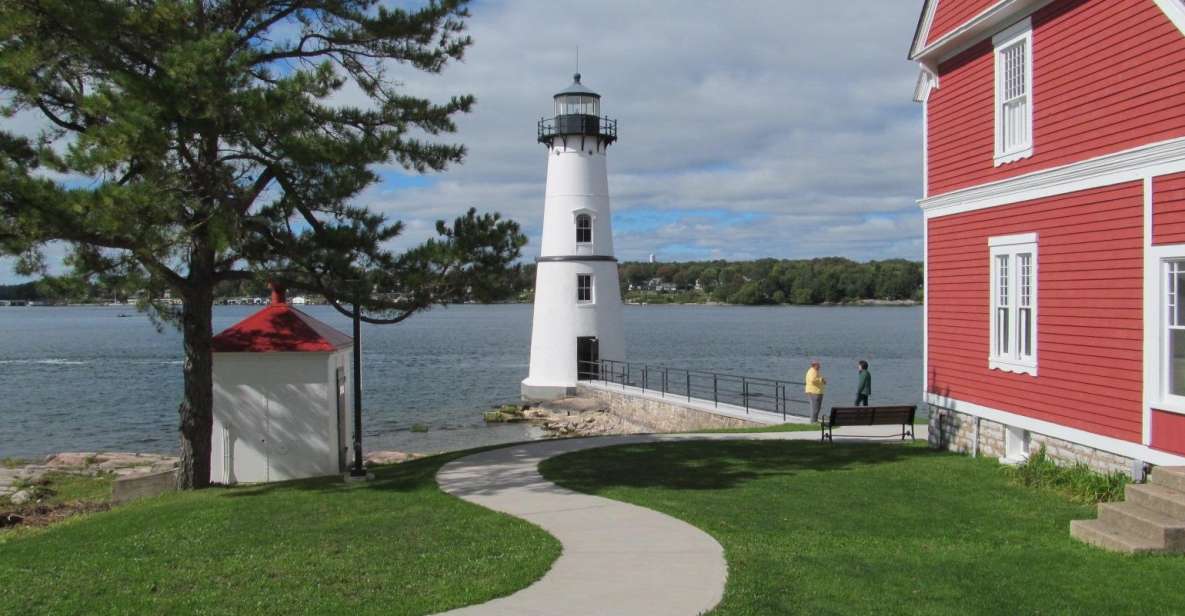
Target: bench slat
column 871, row 415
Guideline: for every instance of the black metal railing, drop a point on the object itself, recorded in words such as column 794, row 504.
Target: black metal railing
column 747, row 392
column 577, row 124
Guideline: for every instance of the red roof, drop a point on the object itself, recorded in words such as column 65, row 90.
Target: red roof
column 280, row 327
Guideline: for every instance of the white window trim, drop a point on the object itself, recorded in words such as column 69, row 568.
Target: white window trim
column 592, row 290
column 1012, row 245
column 1022, row 30
column 1161, row 399
column 592, row 221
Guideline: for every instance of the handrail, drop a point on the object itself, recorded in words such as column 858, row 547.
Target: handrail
column 751, row 393
column 577, row 124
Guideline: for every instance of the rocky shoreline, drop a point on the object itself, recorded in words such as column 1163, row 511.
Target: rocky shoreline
column 567, row 418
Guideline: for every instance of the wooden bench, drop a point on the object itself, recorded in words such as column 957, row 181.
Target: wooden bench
column 868, row 416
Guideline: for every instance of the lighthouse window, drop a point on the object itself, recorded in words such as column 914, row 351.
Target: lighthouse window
column 584, row 229
column 584, row 293
column 575, row 105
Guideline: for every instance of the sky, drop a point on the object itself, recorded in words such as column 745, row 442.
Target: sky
column 746, row 129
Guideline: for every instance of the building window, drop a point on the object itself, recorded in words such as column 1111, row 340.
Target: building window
column 1014, row 93
column 583, row 229
column 1014, row 303
column 584, row 289
column 1174, row 323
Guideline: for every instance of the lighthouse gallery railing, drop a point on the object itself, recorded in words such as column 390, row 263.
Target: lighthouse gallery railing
column 750, row 393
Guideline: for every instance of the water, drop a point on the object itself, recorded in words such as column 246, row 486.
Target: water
column 87, row 378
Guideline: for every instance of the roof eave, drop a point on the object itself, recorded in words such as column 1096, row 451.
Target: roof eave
column 991, row 20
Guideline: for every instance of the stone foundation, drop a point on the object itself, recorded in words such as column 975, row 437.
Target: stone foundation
column 661, row 415
column 955, row 431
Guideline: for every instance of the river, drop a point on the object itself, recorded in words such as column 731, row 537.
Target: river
column 104, row 378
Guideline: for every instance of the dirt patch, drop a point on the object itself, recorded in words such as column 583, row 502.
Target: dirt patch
column 44, row 515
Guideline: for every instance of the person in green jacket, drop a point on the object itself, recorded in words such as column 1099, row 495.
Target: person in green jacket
column 863, row 384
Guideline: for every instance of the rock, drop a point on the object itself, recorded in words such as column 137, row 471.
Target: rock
column 21, row 497
column 80, row 459
column 390, row 457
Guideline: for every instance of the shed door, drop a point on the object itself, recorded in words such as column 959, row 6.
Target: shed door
column 247, row 437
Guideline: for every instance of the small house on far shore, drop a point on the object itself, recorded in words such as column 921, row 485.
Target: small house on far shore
column 280, row 397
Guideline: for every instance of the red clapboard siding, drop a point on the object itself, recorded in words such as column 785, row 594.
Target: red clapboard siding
column 951, row 14
column 1106, row 78
column 1089, row 331
column 1168, row 209
column 1168, row 431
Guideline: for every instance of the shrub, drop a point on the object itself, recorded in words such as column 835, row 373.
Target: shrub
column 1078, row 482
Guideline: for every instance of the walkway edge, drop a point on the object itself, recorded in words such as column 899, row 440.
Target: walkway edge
column 617, row 558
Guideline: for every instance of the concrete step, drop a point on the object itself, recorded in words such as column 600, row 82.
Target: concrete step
column 1144, row 523
column 1171, row 477
column 1098, row 534
column 1157, row 498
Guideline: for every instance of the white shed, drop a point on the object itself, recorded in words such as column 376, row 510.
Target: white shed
column 281, row 397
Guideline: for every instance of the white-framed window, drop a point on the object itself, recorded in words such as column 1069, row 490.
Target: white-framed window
column 1014, row 92
column 1013, row 303
column 1172, row 335
column 584, row 288
column 584, row 229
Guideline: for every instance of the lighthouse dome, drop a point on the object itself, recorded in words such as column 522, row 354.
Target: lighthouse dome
column 577, row 99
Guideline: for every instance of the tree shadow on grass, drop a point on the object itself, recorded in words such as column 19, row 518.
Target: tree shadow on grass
column 711, row 465
column 402, row 477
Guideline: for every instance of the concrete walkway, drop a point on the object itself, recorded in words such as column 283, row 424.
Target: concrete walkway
column 617, row 558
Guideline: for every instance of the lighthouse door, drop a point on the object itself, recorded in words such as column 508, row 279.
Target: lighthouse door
column 588, row 359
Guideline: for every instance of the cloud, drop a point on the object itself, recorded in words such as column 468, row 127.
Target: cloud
column 799, row 112
column 764, row 128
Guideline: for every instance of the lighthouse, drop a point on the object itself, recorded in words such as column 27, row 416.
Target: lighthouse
column 577, row 320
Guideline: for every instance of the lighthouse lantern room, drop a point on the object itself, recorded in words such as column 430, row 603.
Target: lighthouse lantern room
column 577, row 320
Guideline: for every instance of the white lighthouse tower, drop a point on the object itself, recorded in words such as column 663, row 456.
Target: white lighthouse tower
column 577, row 319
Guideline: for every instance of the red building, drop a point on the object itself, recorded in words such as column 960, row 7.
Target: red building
column 1054, row 203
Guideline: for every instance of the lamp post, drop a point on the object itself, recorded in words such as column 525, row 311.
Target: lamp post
column 358, row 470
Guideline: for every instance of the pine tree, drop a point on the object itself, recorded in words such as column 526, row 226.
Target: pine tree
column 190, row 143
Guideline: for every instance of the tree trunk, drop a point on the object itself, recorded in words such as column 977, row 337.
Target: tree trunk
column 197, row 407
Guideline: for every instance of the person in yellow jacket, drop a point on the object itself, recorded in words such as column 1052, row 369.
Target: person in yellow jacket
column 815, row 386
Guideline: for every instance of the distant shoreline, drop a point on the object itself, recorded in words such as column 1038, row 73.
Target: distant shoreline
column 862, row 302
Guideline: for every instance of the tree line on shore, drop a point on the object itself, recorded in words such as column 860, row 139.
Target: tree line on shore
column 762, row 282
column 828, row 280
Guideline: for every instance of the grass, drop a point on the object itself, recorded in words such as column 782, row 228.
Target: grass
column 395, row 545
column 67, row 488
column 813, row 528
column 9, row 462
column 59, row 488
column 1077, row 482
column 786, row 427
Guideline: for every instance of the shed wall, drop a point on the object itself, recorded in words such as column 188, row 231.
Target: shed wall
column 274, row 417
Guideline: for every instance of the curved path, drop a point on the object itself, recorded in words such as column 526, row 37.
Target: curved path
column 617, row 558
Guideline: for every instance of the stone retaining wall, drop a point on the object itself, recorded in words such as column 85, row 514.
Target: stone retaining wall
column 134, row 487
column 661, row 415
column 955, row 431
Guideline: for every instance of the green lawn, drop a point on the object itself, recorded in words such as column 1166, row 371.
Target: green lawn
column 815, row 528
column 66, row 488
column 397, row 545
column 786, row 427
